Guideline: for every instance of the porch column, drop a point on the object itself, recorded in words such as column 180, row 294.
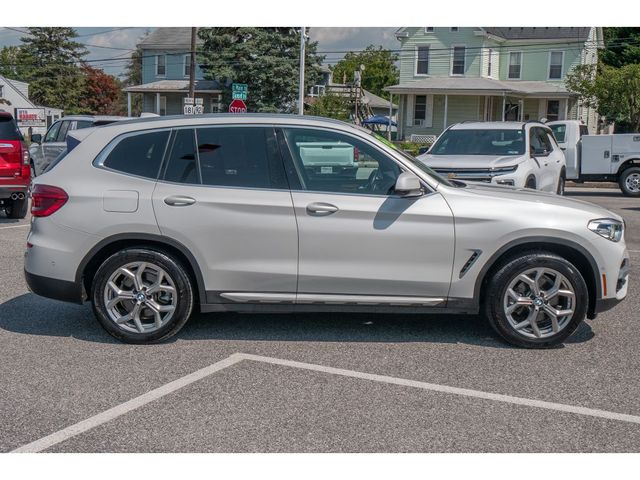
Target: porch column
column 566, row 109
column 504, row 104
column 521, row 104
column 128, row 104
column 485, row 116
column 446, row 111
column 158, row 103
column 390, row 115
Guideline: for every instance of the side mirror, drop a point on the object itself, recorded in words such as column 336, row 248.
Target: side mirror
column 36, row 138
column 408, row 185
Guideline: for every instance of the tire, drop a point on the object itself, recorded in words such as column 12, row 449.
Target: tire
column 17, row 208
column 561, row 185
column 630, row 182
column 512, row 326
column 530, row 183
column 173, row 296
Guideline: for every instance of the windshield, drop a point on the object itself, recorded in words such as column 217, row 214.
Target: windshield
column 559, row 131
column 479, row 142
column 414, row 161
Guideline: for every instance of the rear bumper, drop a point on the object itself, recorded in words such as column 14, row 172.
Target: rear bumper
column 54, row 288
column 7, row 190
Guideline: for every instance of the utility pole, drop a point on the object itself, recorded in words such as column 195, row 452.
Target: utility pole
column 301, row 81
column 192, row 69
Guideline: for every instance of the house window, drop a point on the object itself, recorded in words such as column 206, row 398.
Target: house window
column 1, row 90
column 161, row 65
column 428, row 29
column 454, row 29
column 187, row 65
column 163, row 106
column 489, row 63
column 457, row 64
column 420, row 110
column 515, row 64
column 555, row 65
column 422, row 62
column 553, row 110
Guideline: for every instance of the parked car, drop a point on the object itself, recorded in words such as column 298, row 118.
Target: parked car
column 600, row 158
column 152, row 219
column 519, row 154
column 15, row 174
column 44, row 150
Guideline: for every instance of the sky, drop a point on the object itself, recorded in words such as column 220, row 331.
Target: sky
column 106, row 43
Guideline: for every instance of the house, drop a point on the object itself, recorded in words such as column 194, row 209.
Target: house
column 31, row 118
column 452, row 74
column 166, row 62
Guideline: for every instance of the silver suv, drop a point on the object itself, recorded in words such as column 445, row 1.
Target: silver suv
column 151, row 219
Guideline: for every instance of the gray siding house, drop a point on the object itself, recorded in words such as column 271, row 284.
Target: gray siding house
column 165, row 74
column 452, row 74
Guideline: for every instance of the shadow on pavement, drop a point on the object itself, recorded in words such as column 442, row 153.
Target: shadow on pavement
column 32, row 315
column 594, row 193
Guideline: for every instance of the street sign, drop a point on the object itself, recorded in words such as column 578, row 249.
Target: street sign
column 239, row 91
column 237, row 106
column 193, row 109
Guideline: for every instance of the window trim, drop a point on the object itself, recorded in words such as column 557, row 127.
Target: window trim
column 415, row 104
column 416, row 59
column 157, row 56
column 551, row 52
column 519, row 77
column 464, row 65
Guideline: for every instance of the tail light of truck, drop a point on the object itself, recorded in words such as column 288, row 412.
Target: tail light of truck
column 46, row 199
column 25, row 154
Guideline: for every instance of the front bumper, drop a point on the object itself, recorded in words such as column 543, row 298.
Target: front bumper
column 54, row 288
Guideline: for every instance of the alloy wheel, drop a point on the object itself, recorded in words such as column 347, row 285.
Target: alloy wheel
column 632, row 182
column 140, row 297
column 539, row 302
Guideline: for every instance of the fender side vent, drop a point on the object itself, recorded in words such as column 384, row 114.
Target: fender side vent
column 472, row 259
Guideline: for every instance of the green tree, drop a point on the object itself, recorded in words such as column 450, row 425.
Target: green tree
column 331, row 105
column 380, row 69
column 133, row 76
column 614, row 92
column 56, row 79
column 622, row 46
column 13, row 64
column 266, row 59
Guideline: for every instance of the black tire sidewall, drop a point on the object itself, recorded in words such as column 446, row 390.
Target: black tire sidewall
column 184, row 292
column 498, row 285
column 561, row 185
column 622, row 181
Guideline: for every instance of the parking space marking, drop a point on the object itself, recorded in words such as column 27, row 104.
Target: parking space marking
column 14, row 226
column 119, row 410
column 123, row 408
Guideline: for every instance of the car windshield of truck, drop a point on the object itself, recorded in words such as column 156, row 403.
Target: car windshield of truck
column 559, row 131
column 479, row 142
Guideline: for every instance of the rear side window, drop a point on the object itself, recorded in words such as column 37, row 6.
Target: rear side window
column 83, row 124
column 183, row 164
column 559, row 131
column 9, row 130
column 138, row 154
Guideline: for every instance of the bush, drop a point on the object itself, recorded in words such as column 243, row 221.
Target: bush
column 412, row 148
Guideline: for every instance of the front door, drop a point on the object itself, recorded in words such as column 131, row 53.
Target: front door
column 223, row 194
column 360, row 243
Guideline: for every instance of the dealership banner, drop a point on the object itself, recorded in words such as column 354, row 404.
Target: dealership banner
column 31, row 117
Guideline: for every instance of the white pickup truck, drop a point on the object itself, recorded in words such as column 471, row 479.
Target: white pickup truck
column 599, row 158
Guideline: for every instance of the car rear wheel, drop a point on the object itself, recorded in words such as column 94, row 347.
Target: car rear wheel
column 536, row 300
column 630, row 182
column 17, row 208
column 142, row 296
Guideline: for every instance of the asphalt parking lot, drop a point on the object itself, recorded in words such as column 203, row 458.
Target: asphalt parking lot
column 314, row 383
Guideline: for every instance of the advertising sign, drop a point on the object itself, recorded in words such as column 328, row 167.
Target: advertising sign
column 30, row 117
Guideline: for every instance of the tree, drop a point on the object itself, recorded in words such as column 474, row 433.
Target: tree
column 267, row 59
column 380, row 69
column 622, row 46
column 331, row 105
column 101, row 93
column 13, row 64
column 133, row 76
column 55, row 79
column 614, row 92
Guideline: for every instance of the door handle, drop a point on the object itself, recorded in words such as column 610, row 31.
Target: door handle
column 321, row 209
column 179, row 201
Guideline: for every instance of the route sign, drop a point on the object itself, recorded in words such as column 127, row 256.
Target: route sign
column 239, row 91
column 237, row 106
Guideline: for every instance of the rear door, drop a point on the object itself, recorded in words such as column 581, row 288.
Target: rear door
column 224, row 195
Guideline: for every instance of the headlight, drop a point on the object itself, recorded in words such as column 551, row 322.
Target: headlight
column 608, row 228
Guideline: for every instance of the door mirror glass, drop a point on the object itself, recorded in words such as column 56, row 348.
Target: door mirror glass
column 408, row 185
column 36, row 138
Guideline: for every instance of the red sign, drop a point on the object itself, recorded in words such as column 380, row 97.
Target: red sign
column 237, row 106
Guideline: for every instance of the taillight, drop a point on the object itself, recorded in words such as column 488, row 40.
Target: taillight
column 25, row 154
column 46, row 199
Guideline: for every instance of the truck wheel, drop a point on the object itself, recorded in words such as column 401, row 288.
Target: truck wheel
column 630, row 182
column 17, row 208
column 531, row 183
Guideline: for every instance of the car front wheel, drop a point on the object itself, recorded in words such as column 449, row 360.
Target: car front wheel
column 536, row 300
column 142, row 296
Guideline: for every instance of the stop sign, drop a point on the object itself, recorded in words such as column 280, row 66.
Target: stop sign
column 237, row 106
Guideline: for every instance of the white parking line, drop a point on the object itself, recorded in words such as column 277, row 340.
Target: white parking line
column 14, row 226
column 119, row 410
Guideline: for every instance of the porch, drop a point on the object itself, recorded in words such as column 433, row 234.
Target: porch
column 166, row 97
